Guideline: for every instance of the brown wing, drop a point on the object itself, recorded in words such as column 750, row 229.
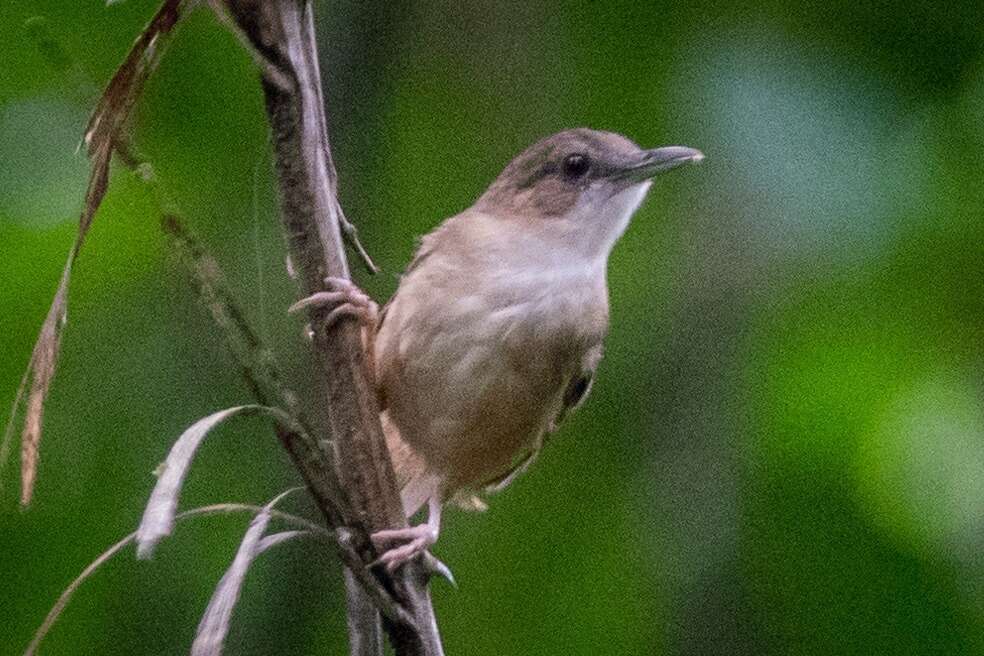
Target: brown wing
column 579, row 386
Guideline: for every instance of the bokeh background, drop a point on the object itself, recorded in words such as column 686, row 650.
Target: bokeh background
column 784, row 449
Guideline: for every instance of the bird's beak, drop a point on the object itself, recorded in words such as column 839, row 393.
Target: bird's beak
column 658, row 160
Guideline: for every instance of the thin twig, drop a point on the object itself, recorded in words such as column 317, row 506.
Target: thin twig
column 257, row 363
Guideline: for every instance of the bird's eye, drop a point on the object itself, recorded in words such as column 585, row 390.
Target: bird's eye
column 576, row 165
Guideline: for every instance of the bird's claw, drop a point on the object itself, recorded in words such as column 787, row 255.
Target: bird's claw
column 414, row 540
column 433, row 566
column 345, row 299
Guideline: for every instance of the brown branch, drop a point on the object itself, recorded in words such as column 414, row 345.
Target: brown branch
column 282, row 31
column 365, row 634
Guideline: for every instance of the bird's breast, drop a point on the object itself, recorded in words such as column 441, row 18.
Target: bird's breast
column 473, row 367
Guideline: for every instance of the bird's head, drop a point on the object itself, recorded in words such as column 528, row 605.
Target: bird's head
column 579, row 186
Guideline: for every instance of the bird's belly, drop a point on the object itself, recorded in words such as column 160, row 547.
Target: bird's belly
column 472, row 394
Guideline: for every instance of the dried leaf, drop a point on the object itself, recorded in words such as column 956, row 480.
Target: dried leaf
column 270, row 541
column 102, row 134
column 219, row 508
column 158, row 517
column 121, row 93
column 35, row 385
column 214, row 627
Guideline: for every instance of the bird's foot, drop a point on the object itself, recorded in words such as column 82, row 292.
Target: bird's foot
column 345, row 299
column 412, row 541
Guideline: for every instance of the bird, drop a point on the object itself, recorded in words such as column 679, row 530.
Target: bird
column 497, row 325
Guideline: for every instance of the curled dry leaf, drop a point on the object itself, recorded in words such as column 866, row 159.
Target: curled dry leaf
column 102, row 135
column 158, row 517
column 216, row 509
column 270, row 541
column 214, row 626
column 114, row 107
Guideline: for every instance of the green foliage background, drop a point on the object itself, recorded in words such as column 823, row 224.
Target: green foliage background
column 784, row 450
